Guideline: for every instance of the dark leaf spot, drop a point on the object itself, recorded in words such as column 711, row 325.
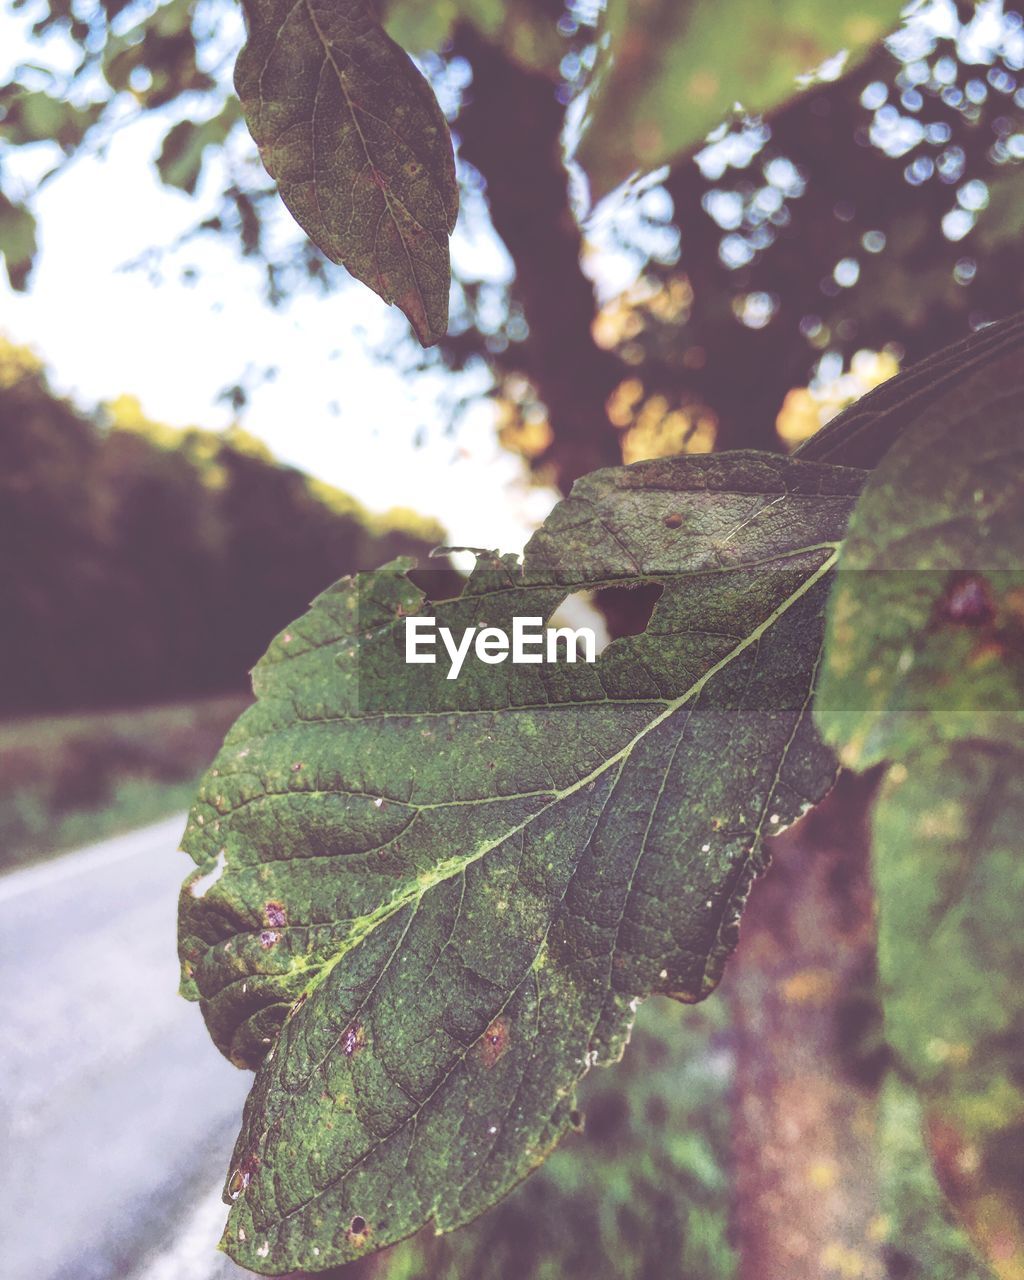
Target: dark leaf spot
column 493, row 1045
column 967, row 601
column 352, row 1040
column 276, row 914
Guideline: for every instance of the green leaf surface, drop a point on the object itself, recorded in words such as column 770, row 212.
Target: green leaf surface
column 926, row 622
column 423, row 908
column 643, row 1191
column 354, row 137
column 672, row 70
column 17, row 241
column 180, row 161
column 950, row 880
column 924, row 669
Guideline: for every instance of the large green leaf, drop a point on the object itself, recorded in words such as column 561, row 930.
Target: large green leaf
column 671, row 70
column 924, row 669
column 423, row 908
column 358, row 145
column 926, row 623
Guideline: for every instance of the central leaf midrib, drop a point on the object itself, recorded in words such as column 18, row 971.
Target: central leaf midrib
column 619, row 758
column 328, row 54
column 411, row 893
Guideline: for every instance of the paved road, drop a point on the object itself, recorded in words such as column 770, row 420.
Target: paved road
column 118, row 1113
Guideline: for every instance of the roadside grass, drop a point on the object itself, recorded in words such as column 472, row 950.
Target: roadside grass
column 68, row 780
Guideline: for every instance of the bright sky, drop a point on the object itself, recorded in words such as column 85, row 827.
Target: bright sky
column 351, row 419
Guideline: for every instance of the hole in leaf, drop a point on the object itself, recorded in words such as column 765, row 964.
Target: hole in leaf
column 576, row 611
column 627, row 610
column 439, row 581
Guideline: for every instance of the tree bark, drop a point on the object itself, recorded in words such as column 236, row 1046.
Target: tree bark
column 510, row 127
column 801, row 993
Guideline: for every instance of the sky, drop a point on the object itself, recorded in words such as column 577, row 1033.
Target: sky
column 335, row 409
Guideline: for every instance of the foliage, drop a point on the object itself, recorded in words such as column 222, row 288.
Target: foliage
column 903, row 175
column 927, row 1242
column 140, row 561
column 600, row 813
column 641, row 1191
column 68, row 780
column 924, row 671
column 590, row 809
column 670, row 72
column 358, row 146
column 408, row 1070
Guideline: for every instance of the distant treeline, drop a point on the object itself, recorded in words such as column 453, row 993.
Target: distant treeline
column 141, row 562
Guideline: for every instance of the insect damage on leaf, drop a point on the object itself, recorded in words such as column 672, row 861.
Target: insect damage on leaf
column 556, row 842
column 358, row 145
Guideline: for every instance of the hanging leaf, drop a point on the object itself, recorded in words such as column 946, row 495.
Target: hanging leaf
column 354, row 137
column 671, row 70
column 372, row 829
column 180, row 161
column 17, row 241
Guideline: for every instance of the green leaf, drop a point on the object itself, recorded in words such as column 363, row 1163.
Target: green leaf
column 950, row 882
column 354, row 137
column 924, row 668
column 864, row 433
column 642, row 1191
column 180, row 161
column 671, row 71
column 17, row 241
column 424, row 907
column 926, row 622
column 525, row 29
column 31, row 115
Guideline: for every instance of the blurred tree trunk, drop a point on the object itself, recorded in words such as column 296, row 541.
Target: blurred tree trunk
column 807, row 1064
column 510, row 129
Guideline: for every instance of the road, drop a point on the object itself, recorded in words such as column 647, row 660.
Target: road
column 118, row 1113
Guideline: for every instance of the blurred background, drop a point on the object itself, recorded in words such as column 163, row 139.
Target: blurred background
column 203, row 423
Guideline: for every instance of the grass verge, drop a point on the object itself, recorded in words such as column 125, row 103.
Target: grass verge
column 68, row 780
